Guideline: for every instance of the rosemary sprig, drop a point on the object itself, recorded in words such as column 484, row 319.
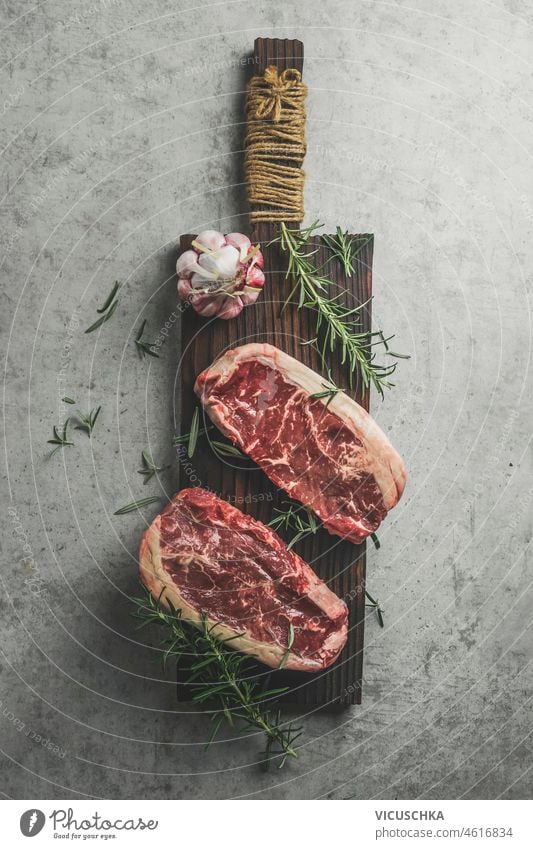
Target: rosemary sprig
column 60, row 439
column 340, row 324
column 220, row 674
column 342, row 248
column 107, row 310
column 136, row 505
column 295, row 517
column 329, row 392
column 149, row 468
column 377, row 607
column 87, row 421
column 301, row 519
column 143, row 347
column 221, row 450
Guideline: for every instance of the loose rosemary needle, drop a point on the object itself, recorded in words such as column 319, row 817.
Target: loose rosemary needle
column 149, row 468
column 143, row 346
column 107, row 310
column 136, row 505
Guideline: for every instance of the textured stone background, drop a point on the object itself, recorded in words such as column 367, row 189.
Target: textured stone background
column 120, row 128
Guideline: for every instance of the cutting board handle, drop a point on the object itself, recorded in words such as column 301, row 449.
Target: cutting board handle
column 275, row 134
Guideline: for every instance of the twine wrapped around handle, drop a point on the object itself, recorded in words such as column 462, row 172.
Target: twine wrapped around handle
column 275, row 145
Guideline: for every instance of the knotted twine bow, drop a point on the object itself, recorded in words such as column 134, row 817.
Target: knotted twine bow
column 275, row 145
column 273, row 91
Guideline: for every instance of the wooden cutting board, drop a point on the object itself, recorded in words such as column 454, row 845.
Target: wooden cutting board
column 340, row 564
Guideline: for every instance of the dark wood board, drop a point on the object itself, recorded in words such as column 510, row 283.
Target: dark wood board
column 339, row 563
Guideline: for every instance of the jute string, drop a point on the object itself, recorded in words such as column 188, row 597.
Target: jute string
column 275, row 145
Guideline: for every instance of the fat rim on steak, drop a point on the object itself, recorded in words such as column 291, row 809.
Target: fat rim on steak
column 263, row 587
column 343, row 466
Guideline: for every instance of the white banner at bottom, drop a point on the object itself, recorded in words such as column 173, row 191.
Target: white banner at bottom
column 228, row 825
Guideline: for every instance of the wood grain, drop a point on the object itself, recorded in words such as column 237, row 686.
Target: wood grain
column 340, row 564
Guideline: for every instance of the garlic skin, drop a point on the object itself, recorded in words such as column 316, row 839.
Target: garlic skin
column 210, row 240
column 220, row 275
column 187, row 263
column 241, row 242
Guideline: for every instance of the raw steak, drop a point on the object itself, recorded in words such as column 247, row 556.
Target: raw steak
column 327, row 453
column 203, row 555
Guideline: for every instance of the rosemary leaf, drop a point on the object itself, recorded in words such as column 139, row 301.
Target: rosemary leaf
column 329, row 392
column 399, row 356
column 193, row 434
column 144, row 348
column 141, row 330
column 224, row 449
column 184, row 437
column 377, row 607
column 87, row 421
column 218, row 721
column 149, row 468
column 110, row 298
column 103, row 318
column 60, row 440
column 68, row 400
column 136, row 505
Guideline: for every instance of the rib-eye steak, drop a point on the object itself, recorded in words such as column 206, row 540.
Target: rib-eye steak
column 206, row 557
column 326, row 452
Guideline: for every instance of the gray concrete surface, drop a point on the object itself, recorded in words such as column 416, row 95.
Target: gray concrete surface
column 120, row 128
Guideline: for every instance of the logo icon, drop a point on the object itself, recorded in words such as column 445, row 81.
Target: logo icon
column 32, row 822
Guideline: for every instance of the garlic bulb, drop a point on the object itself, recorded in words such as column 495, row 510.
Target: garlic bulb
column 220, row 275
